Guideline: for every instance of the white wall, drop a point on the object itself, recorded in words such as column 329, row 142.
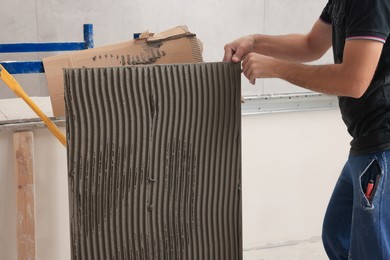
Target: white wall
column 290, row 164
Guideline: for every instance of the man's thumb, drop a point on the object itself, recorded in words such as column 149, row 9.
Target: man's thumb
column 237, row 57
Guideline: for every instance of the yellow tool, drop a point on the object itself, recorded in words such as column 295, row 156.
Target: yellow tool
column 18, row 90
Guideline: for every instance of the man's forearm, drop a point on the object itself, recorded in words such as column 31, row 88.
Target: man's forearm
column 329, row 79
column 296, row 47
column 292, row 47
column 332, row 79
column 351, row 78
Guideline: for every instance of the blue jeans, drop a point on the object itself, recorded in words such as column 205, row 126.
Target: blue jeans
column 356, row 225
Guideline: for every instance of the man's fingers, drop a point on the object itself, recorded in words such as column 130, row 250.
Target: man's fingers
column 228, row 53
column 247, row 70
column 248, row 75
column 238, row 56
column 232, row 54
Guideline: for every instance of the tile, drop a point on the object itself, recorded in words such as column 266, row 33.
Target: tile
column 154, row 155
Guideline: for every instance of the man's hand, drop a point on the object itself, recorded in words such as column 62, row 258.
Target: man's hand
column 238, row 49
column 257, row 66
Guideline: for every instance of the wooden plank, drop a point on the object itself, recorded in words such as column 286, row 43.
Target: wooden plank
column 24, row 171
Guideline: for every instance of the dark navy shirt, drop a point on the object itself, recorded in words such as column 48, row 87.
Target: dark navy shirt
column 367, row 118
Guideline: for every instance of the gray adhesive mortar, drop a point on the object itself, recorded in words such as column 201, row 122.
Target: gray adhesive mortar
column 154, row 159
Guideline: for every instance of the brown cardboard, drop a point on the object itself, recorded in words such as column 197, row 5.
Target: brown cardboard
column 176, row 45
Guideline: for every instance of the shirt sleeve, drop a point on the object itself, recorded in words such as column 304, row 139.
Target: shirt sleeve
column 325, row 15
column 368, row 19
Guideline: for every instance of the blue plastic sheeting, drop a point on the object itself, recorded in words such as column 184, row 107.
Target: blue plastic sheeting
column 25, row 67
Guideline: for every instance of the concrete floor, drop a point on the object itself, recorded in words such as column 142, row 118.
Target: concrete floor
column 300, row 250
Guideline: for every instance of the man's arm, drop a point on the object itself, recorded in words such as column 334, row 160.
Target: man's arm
column 351, row 78
column 293, row 47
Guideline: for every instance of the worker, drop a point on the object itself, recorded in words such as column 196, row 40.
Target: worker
column 357, row 221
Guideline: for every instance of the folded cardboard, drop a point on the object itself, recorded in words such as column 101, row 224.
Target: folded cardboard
column 176, row 45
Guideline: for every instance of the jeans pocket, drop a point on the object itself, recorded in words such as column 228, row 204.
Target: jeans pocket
column 369, row 182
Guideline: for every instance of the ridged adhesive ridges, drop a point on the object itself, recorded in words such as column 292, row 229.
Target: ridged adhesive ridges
column 154, row 161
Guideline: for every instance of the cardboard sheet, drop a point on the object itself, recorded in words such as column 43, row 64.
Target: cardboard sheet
column 176, row 45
